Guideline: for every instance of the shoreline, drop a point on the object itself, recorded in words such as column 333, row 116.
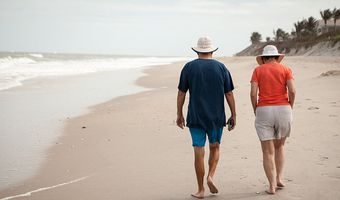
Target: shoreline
column 42, row 106
column 143, row 81
column 131, row 143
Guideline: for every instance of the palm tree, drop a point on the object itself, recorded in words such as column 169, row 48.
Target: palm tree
column 336, row 15
column 299, row 28
column 326, row 15
column 255, row 37
column 310, row 25
column 280, row 35
column 293, row 33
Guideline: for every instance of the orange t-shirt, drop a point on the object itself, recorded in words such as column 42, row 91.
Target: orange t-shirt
column 272, row 81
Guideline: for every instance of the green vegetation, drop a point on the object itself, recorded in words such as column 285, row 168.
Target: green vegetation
column 336, row 16
column 255, row 38
column 280, row 35
column 305, row 33
column 326, row 15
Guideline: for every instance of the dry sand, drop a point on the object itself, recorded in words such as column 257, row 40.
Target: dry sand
column 130, row 148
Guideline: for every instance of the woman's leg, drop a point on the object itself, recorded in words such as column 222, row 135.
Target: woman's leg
column 268, row 151
column 279, row 160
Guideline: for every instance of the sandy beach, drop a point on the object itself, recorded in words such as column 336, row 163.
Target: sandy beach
column 130, row 147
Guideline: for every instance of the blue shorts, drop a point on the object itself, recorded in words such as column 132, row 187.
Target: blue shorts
column 198, row 136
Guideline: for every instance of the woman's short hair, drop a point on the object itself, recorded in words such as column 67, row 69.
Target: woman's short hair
column 270, row 57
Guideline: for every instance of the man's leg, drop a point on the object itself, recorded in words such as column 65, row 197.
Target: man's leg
column 198, row 137
column 213, row 160
column 268, row 151
column 199, row 168
column 279, row 160
column 214, row 146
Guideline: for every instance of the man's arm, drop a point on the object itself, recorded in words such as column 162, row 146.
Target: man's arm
column 291, row 92
column 253, row 95
column 180, row 102
column 231, row 103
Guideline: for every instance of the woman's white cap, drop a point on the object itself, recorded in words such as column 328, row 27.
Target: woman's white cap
column 269, row 50
column 204, row 45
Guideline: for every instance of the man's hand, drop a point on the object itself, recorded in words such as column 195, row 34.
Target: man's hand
column 180, row 121
column 231, row 103
column 231, row 123
column 180, row 101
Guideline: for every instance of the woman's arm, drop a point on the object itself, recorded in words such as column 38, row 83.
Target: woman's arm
column 253, row 95
column 291, row 92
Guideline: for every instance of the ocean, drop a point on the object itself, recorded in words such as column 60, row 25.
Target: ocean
column 40, row 92
column 18, row 67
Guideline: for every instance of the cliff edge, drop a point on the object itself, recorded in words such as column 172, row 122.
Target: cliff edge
column 324, row 48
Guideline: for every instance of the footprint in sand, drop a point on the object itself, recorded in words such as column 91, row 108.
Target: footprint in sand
column 333, row 103
column 313, row 108
column 323, row 158
column 331, row 73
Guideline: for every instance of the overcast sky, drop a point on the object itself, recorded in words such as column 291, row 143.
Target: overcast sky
column 145, row 27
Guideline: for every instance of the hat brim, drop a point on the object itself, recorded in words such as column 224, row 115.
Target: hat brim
column 260, row 61
column 200, row 50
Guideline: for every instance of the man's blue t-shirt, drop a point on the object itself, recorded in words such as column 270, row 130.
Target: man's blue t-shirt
column 207, row 81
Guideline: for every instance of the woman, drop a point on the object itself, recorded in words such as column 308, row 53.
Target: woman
column 273, row 110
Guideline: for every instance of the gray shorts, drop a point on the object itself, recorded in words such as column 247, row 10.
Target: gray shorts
column 273, row 122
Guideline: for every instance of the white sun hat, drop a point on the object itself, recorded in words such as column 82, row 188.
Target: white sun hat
column 204, row 45
column 269, row 50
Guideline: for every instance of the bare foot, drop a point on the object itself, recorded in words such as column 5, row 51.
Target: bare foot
column 280, row 184
column 212, row 186
column 198, row 195
column 271, row 191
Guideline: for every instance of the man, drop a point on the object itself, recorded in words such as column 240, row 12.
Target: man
column 208, row 82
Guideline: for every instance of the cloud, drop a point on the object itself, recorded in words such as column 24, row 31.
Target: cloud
column 176, row 7
column 72, row 23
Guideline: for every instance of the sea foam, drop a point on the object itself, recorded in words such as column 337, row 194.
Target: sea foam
column 15, row 70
